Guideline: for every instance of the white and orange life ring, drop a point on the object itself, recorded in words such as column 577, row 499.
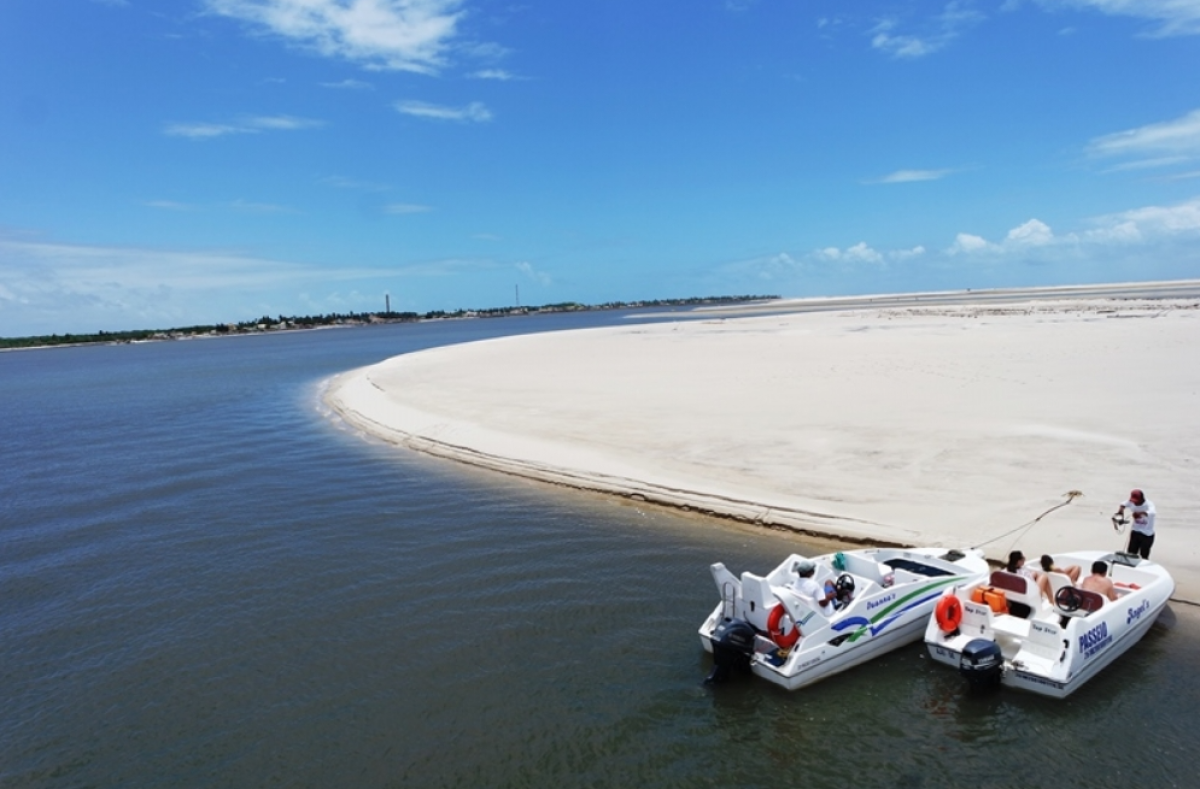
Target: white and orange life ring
column 949, row 613
column 784, row 640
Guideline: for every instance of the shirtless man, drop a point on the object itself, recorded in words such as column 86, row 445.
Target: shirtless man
column 1099, row 581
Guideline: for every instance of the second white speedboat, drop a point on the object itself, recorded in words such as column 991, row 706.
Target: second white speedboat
column 1005, row 631
column 885, row 597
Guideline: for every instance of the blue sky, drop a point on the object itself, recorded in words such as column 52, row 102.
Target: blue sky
column 170, row 162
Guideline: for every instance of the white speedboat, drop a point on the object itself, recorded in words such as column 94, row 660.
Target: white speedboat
column 885, row 597
column 1004, row 630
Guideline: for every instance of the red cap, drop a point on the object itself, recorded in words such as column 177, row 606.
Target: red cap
column 1136, row 495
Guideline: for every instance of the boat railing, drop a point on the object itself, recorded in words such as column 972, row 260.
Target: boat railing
column 729, row 594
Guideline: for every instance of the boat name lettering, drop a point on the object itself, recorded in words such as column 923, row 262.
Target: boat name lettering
column 1033, row 679
column 1094, row 640
column 1040, row 628
column 880, row 601
column 1136, row 613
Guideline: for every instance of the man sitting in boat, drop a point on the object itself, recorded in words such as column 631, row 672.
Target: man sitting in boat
column 807, row 586
column 1099, row 581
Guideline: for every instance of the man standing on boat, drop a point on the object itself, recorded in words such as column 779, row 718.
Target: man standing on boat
column 807, row 586
column 1141, row 536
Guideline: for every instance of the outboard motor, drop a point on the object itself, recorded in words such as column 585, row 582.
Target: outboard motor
column 981, row 663
column 733, row 644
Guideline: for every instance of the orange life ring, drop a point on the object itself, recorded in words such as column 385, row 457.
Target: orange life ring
column 782, row 639
column 949, row 613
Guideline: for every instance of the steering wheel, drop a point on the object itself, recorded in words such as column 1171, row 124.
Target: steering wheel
column 844, row 585
column 1068, row 599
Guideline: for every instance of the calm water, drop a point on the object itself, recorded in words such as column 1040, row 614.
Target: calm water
column 205, row 581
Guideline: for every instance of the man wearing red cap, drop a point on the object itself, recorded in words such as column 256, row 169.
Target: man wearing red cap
column 1141, row 536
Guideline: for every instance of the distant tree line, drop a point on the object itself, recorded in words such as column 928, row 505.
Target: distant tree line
column 280, row 323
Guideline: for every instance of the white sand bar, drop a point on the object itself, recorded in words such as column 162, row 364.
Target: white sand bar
column 945, row 424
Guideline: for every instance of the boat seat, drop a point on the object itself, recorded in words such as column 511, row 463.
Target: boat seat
column 1018, row 589
column 1058, row 581
column 1089, row 603
column 1045, row 641
column 758, row 598
column 1006, row 624
column 864, row 568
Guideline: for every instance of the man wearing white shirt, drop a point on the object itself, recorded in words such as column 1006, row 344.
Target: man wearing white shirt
column 807, row 586
column 1141, row 536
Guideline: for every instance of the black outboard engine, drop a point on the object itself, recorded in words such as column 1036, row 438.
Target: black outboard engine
column 733, row 644
column 981, row 663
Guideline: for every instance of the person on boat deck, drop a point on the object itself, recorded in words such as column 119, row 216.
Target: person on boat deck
column 807, row 586
column 1072, row 571
column 1016, row 565
column 1099, row 581
column 1141, row 536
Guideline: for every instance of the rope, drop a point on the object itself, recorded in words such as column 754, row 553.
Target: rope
column 1071, row 496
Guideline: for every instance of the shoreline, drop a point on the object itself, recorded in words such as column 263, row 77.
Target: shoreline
column 992, row 413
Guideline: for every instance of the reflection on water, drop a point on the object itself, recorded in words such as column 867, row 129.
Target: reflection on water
column 204, row 582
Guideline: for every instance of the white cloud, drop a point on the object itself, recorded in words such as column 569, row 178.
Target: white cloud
column 252, row 125
column 1167, row 142
column 1032, row 233
column 968, row 244
column 474, row 112
column 781, row 267
column 860, row 252
column 529, row 271
column 202, row 131
column 1184, row 176
column 937, row 33
column 907, row 254
column 1148, row 164
column 397, row 35
column 901, row 46
column 910, row 176
column 1158, row 220
column 494, row 73
column 282, row 123
column 1148, row 226
column 1174, row 17
column 348, row 84
column 54, row 288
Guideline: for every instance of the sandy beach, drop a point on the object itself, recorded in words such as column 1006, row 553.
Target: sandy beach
column 955, row 424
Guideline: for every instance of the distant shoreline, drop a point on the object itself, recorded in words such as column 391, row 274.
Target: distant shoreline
column 268, row 325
